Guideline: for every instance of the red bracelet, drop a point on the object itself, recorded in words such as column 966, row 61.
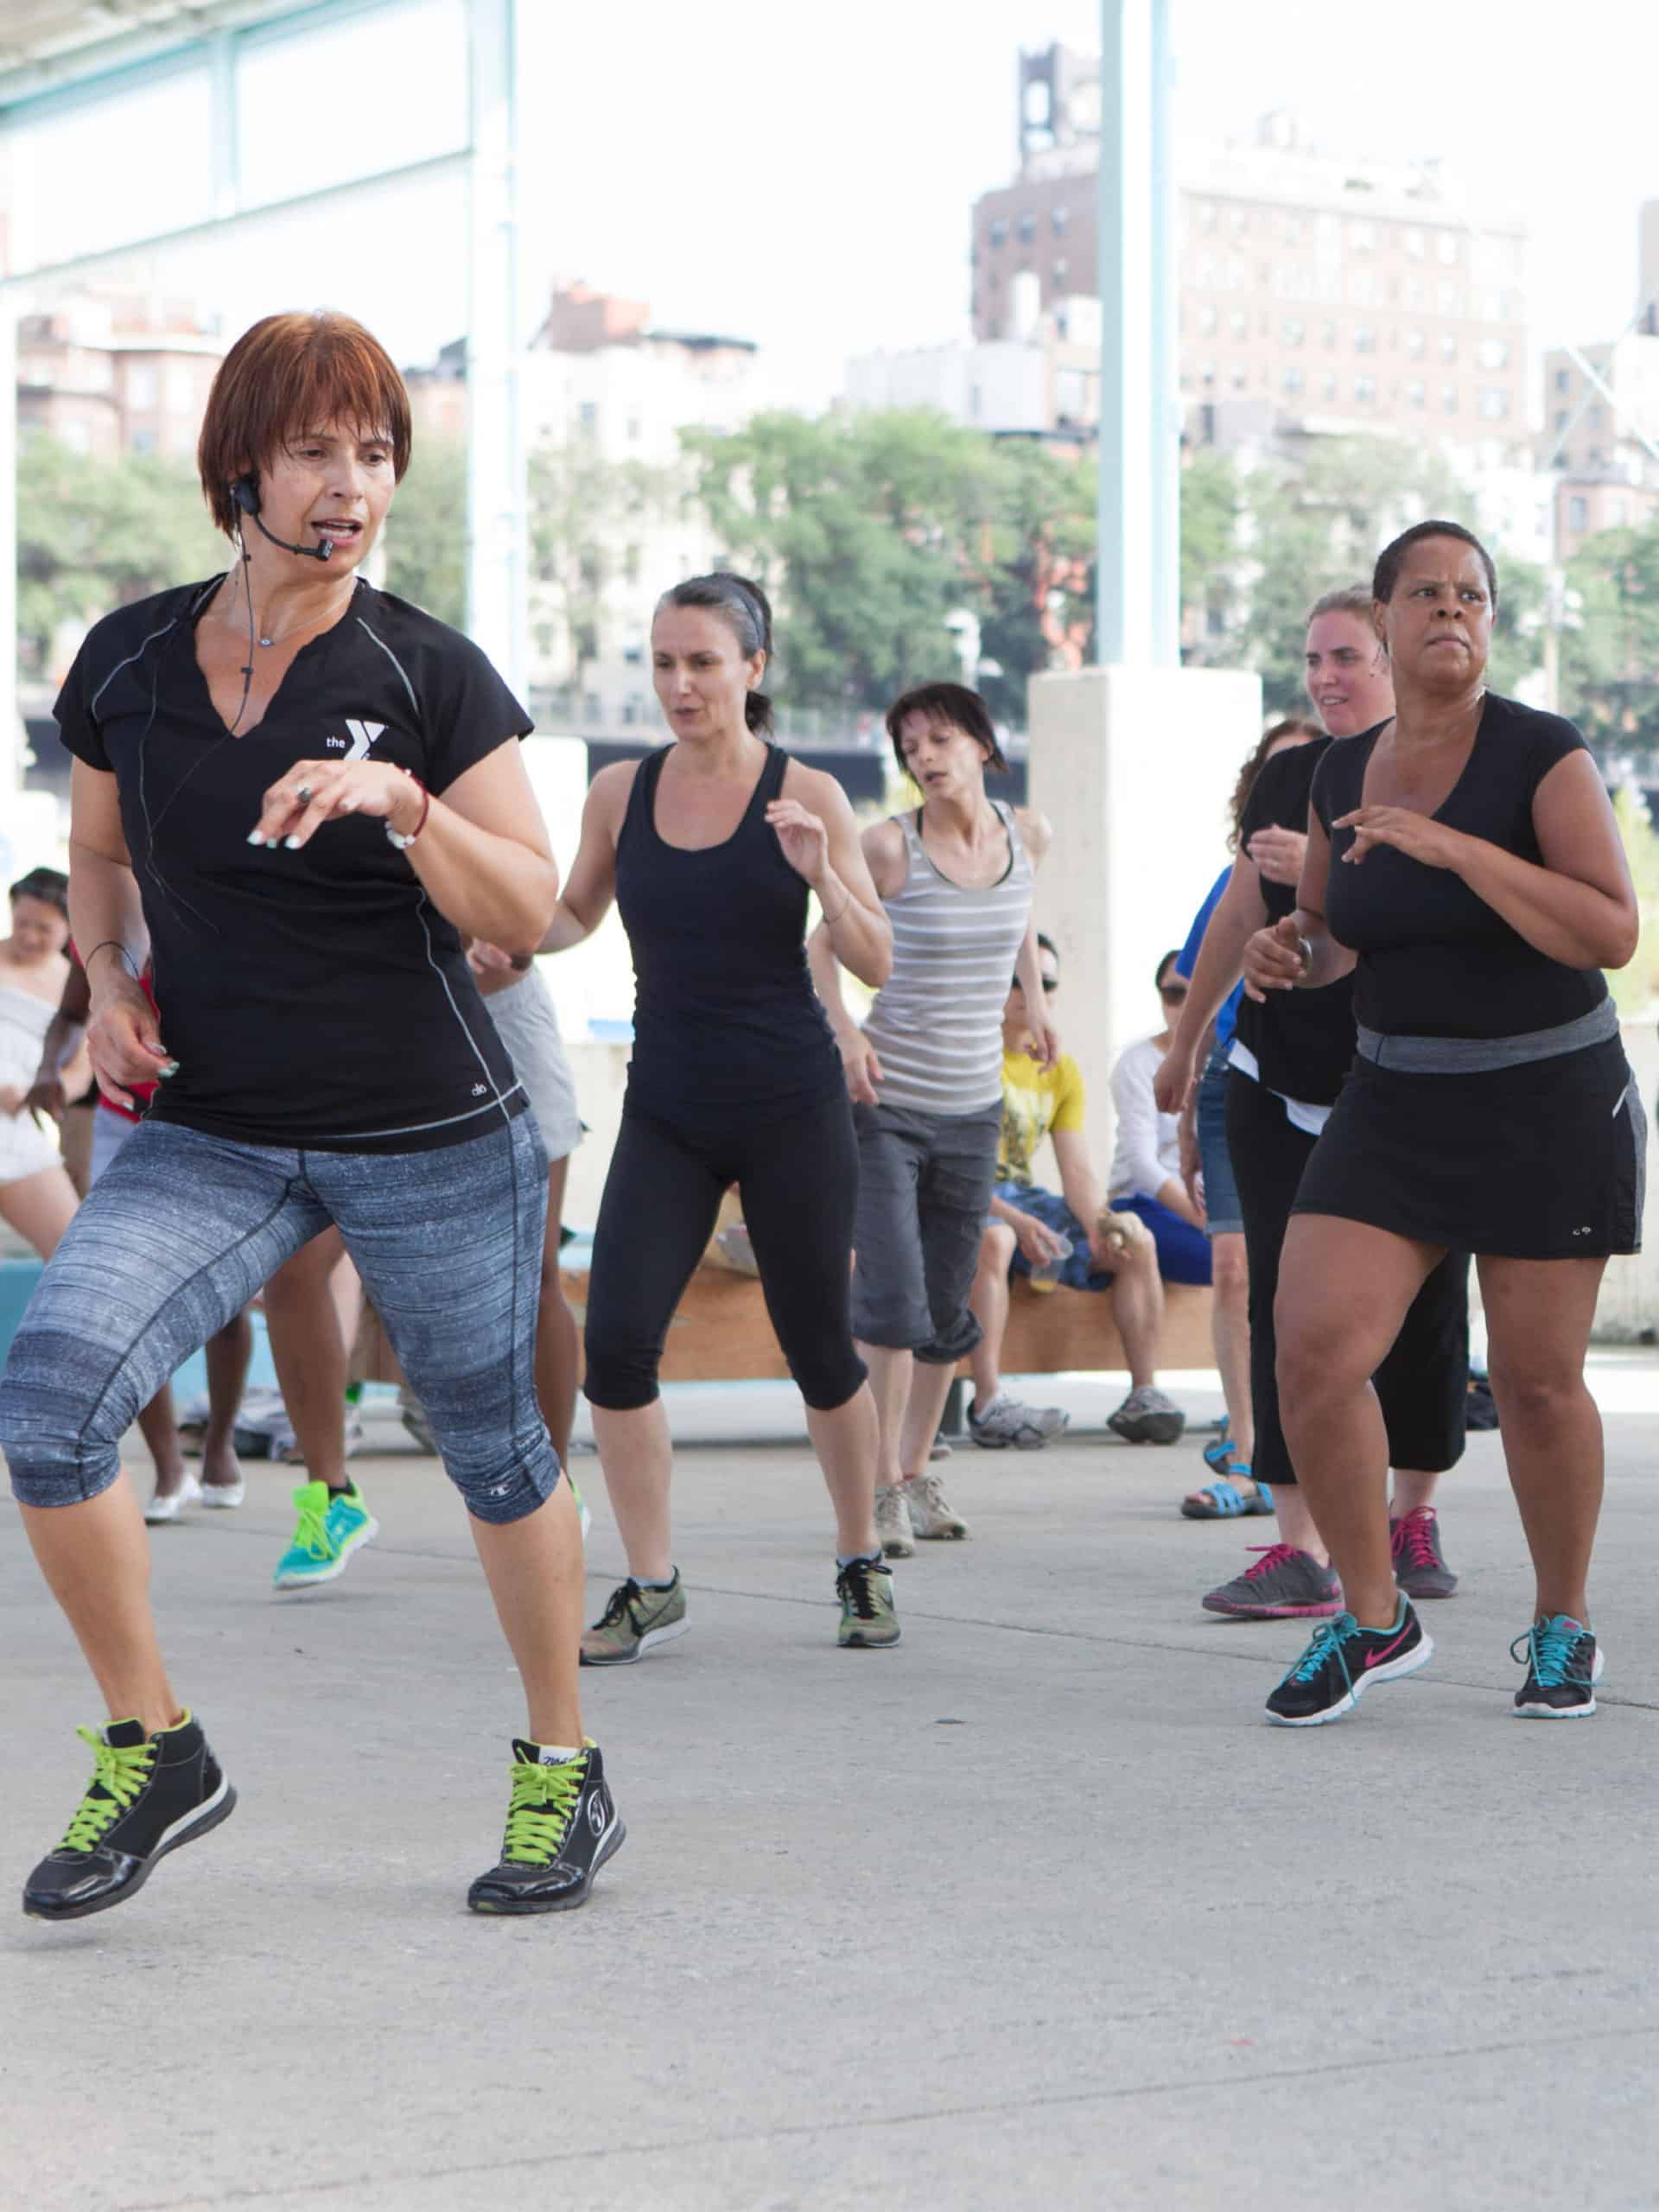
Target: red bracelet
column 397, row 837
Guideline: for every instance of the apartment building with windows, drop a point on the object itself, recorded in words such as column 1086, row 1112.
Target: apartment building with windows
column 113, row 374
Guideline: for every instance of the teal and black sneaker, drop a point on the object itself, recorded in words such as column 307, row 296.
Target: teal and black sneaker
column 1342, row 1662
column 1563, row 1662
column 331, row 1526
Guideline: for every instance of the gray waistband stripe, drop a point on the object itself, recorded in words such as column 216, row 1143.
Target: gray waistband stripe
column 1483, row 1055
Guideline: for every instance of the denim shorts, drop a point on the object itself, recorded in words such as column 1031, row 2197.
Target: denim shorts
column 181, row 1229
column 1223, row 1215
column 923, row 1184
column 1077, row 1271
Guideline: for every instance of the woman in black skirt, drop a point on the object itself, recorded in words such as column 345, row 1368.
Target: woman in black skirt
column 1464, row 861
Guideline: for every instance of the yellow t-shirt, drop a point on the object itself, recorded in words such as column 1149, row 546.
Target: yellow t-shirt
column 1036, row 1101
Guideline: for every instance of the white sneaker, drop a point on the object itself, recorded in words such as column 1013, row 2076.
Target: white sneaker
column 893, row 1528
column 162, row 1509
column 225, row 1496
column 930, row 1513
column 1006, row 1422
column 1147, row 1416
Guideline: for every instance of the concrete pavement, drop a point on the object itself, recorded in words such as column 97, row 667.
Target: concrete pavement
column 1032, row 1911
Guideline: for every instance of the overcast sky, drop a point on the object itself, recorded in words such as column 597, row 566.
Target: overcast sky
column 803, row 174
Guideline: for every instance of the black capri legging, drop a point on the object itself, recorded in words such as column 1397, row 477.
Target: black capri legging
column 1423, row 1384
column 799, row 1183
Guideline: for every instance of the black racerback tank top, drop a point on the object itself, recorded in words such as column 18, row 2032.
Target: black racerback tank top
column 728, row 1029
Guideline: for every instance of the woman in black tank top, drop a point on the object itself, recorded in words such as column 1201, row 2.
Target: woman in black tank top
column 1463, row 865
column 710, row 848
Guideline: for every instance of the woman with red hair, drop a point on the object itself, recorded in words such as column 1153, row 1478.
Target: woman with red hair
column 296, row 797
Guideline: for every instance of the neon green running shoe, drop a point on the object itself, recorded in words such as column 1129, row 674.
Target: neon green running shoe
column 331, row 1526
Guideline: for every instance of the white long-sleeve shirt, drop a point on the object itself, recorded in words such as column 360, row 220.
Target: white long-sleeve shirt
column 1147, row 1153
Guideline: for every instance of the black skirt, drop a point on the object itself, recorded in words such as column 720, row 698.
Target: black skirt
column 1543, row 1161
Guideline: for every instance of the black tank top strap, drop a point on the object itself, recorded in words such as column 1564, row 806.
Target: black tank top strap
column 639, row 816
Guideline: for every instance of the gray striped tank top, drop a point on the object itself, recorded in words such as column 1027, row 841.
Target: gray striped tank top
column 937, row 1023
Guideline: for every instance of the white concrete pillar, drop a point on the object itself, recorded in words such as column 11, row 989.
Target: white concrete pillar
column 496, row 498
column 1134, row 766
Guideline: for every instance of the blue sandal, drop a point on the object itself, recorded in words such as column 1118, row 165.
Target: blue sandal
column 1218, row 1452
column 1226, row 1501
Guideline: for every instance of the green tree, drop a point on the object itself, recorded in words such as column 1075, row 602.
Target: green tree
column 1211, row 507
column 426, row 532
column 92, row 535
column 582, row 509
column 1610, row 661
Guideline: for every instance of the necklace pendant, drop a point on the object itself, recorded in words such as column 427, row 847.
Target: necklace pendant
column 267, row 641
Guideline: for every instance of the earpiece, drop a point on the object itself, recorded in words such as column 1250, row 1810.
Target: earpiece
column 244, row 491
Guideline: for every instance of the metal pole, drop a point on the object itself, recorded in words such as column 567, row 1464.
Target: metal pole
column 12, row 739
column 1139, row 563
column 496, row 477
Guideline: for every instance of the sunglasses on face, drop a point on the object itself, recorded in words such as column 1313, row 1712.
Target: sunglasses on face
column 1172, row 993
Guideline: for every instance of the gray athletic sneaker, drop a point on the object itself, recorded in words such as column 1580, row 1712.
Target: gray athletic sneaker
column 1006, row 1422
column 893, row 1529
column 1284, row 1585
column 931, row 1513
column 1147, row 1416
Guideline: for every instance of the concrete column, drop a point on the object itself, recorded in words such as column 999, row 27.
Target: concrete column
column 12, row 741
column 1134, row 766
column 498, row 530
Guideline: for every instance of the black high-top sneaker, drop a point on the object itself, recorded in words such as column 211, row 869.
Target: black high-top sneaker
column 148, row 1795
column 561, row 1826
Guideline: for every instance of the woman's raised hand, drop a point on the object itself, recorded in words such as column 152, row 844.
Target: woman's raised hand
column 312, row 792
column 803, row 836
column 1276, row 960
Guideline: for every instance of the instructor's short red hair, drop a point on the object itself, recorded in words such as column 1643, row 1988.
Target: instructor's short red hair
column 290, row 374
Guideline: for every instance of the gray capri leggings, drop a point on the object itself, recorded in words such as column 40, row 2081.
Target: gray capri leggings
column 183, row 1228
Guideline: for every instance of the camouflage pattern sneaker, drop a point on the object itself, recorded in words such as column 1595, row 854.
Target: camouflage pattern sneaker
column 931, row 1511
column 868, row 1621
column 1284, row 1585
column 635, row 1621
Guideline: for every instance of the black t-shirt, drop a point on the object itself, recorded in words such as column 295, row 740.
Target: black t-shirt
column 1303, row 1040
column 314, row 997
column 1435, row 959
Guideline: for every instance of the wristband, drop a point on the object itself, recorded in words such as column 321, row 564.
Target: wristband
column 102, row 944
column 396, row 836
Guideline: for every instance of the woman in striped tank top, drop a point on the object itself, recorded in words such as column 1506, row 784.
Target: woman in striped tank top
column 925, row 1077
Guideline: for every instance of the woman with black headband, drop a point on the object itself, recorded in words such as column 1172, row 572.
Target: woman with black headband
column 294, row 793
column 709, row 847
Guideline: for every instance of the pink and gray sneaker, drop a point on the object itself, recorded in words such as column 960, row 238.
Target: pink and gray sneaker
column 1419, row 1566
column 1284, row 1585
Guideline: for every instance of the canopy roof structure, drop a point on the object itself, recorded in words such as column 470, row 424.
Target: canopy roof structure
column 48, row 45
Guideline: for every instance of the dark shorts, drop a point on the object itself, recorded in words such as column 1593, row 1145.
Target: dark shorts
column 1543, row 1161
column 1224, row 1216
column 923, row 1185
column 1183, row 1249
column 1076, row 1272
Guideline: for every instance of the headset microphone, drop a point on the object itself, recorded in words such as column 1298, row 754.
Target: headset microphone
column 246, row 492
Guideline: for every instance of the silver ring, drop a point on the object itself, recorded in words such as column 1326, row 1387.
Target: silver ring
column 303, row 794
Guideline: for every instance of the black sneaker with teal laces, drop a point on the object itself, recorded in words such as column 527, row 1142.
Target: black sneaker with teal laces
column 561, row 1826
column 1342, row 1662
column 148, row 1795
column 1563, row 1662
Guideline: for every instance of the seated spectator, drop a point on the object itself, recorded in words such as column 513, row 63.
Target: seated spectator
column 1145, row 1177
column 1026, row 1230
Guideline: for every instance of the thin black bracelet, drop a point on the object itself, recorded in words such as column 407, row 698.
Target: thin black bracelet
column 830, row 920
column 104, row 941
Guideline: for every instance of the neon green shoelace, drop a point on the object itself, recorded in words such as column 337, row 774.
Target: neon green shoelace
column 122, row 1770
column 544, row 1800
column 311, row 1532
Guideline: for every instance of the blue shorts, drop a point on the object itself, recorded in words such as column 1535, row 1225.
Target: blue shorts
column 181, row 1229
column 1078, row 1272
column 1183, row 1250
column 1225, row 1216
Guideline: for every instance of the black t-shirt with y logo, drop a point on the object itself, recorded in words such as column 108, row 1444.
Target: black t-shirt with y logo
column 311, row 998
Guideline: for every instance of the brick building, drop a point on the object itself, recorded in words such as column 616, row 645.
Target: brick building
column 108, row 375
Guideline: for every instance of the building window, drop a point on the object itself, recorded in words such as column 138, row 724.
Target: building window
column 999, row 231
column 1240, row 221
column 1207, row 372
column 1364, row 337
column 1328, row 333
column 1494, row 353
column 1209, row 215
column 1416, row 393
column 587, row 419
column 142, row 441
column 1026, row 227
column 1563, row 380
column 1293, row 383
column 1448, row 346
column 1416, row 344
column 1577, row 513
column 1328, row 384
column 1365, row 391
column 1597, row 414
column 141, row 387
column 1240, row 380
column 1362, row 288
column 1238, row 323
column 1362, row 238
column 1448, row 297
column 1293, row 231
column 1294, row 332
column 1207, row 321
column 1416, row 244
column 1059, row 217
column 1563, row 416
column 1493, row 403
column 1445, row 247
column 1449, row 398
